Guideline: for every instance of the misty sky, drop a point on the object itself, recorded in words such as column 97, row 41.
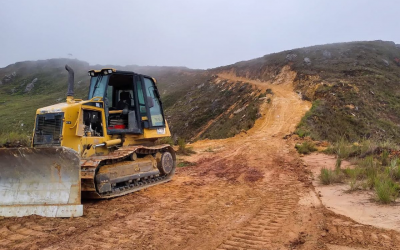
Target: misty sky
column 196, row 34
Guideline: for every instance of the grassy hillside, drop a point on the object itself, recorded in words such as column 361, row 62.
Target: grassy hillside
column 19, row 100
column 354, row 87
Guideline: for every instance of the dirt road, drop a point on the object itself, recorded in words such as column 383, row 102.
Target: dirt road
column 247, row 192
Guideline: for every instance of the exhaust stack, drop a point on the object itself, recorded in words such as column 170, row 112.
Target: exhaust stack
column 70, row 93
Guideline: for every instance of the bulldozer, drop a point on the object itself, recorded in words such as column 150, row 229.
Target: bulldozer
column 99, row 148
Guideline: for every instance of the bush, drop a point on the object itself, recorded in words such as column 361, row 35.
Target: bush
column 14, row 139
column 328, row 176
column 385, row 158
column 306, row 147
column 301, row 133
column 186, row 164
column 338, row 163
column 166, row 140
column 386, row 189
column 183, row 149
column 394, row 169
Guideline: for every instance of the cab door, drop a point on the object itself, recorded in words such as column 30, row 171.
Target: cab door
column 150, row 105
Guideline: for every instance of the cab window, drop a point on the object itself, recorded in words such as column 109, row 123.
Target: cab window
column 142, row 104
column 98, row 86
column 156, row 115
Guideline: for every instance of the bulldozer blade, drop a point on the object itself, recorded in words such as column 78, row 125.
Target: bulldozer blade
column 41, row 181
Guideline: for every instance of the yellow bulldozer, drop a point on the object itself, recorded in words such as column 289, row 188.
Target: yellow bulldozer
column 99, row 148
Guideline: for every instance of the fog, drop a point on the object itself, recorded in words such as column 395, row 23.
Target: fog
column 197, row 34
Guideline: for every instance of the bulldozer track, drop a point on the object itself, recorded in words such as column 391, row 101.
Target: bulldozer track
column 91, row 166
column 259, row 231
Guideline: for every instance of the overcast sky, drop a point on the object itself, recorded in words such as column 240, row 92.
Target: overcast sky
column 196, row 34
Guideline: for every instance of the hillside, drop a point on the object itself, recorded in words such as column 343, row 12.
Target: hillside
column 190, row 97
column 354, row 87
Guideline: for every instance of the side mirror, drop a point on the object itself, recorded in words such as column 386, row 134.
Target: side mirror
column 150, row 101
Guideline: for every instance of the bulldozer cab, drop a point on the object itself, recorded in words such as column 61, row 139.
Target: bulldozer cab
column 131, row 101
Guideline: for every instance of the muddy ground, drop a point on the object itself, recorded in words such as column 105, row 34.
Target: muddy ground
column 252, row 191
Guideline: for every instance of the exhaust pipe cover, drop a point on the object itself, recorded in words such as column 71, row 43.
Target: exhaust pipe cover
column 70, row 80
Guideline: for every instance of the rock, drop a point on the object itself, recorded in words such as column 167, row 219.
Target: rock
column 327, row 54
column 200, row 86
column 119, row 215
column 385, row 62
column 307, row 61
column 71, row 230
column 30, row 86
column 239, row 110
column 291, row 57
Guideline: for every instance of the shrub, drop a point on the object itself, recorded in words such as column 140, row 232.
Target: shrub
column 185, row 164
column 306, row 147
column 166, row 140
column 385, row 158
column 394, row 169
column 386, row 190
column 338, row 163
column 328, row 176
column 14, row 139
column 183, row 149
column 301, row 133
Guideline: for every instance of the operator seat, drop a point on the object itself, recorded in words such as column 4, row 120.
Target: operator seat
column 124, row 101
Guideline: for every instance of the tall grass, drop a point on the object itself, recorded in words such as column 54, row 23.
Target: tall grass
column 386, row 189
column 183, row 149
column 14, row 139
column 376, row 169
column 306, row 147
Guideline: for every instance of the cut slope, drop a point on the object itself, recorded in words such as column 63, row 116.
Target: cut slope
column 354, row 87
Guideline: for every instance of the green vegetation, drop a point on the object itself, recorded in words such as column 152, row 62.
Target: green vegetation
column 353, row 88
column 166, row 140
column 14, row 139
column 185, row 164
column 386, row 189
column 377, row 168
column 306, row 147
column 211, row 101
column 183, row 149
column 191, row 98
column 328, row 176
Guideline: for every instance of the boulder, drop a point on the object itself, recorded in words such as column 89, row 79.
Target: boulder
column 291, row 57
column 307, row 61
column 327, row 54
column 30, row 86
column 386, row 62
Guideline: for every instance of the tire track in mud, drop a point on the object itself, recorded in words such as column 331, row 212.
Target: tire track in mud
column 354, row 234
column 259, row 231
column 21, row 235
